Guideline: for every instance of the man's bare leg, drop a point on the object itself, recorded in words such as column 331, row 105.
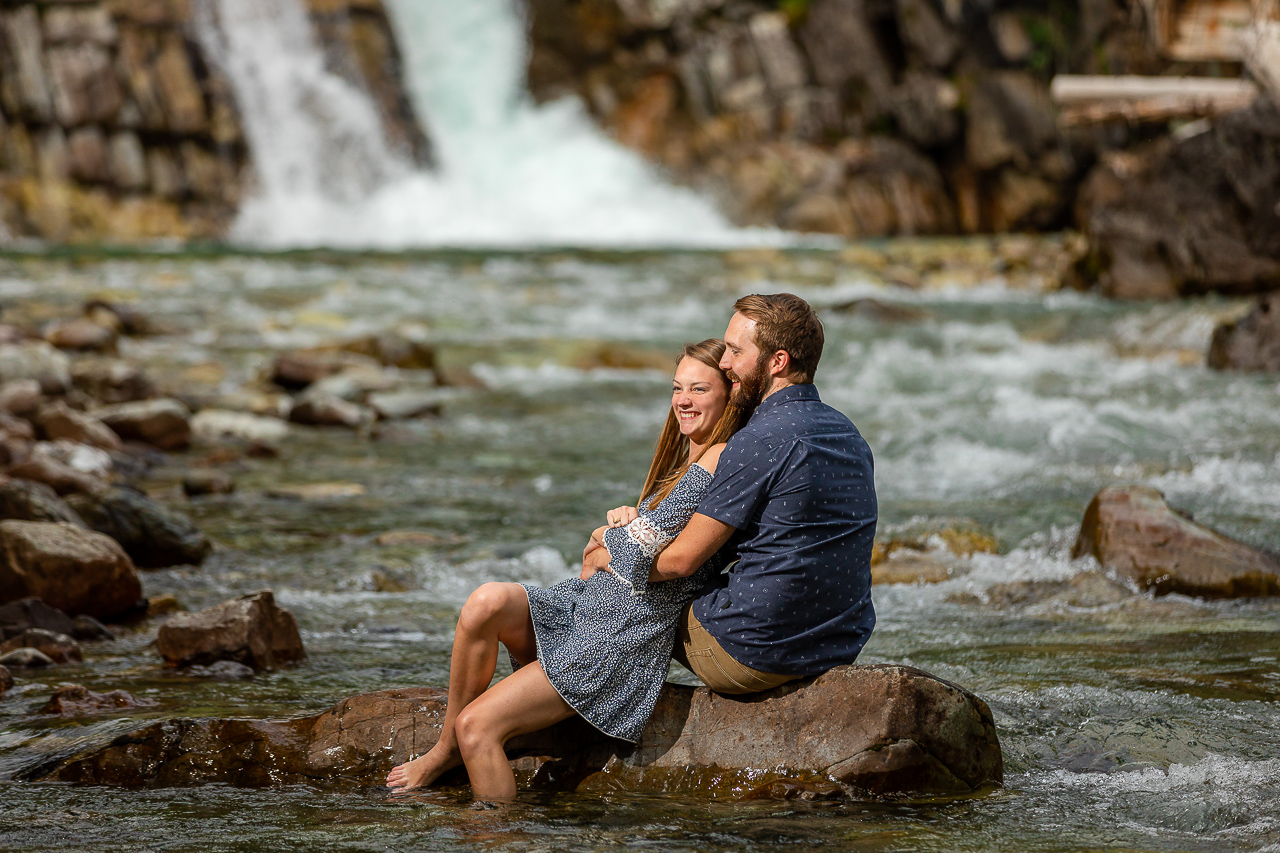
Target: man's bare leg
column 522, row 702
column 495, row 613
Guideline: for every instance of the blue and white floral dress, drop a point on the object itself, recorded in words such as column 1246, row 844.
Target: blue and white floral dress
column 605, row 643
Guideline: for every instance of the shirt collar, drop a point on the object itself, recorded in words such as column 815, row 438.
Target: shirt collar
column 790, row 394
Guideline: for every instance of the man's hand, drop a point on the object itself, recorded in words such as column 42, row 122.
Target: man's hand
column 594, row 560
column 701, row 538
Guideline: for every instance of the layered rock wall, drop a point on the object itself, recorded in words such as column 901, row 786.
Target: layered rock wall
column 115, row 125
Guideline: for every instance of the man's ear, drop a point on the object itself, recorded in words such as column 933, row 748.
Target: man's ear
column 780, row 363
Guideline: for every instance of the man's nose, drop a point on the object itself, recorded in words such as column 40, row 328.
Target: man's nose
column 725, row 362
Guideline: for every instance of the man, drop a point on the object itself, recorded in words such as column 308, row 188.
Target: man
column 795, row 485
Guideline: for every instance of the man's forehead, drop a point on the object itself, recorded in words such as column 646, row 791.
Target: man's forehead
column 742, row 328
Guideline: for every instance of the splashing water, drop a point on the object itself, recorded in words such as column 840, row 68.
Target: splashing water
column 509, row 172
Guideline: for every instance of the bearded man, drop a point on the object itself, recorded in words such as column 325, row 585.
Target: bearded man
column 795, row 487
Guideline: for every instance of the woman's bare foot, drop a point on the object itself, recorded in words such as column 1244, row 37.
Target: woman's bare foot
column 424, row 769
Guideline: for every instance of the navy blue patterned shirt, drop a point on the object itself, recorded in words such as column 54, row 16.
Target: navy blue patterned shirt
column 797, row 483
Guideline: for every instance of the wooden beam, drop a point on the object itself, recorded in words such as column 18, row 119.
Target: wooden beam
column 1094, row 99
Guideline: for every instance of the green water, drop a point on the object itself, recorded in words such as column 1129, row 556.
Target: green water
column 1144, row 724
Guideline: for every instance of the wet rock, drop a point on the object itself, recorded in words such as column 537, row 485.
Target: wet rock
column 74, row 699
column 402, row 405
column 153, row 535
column 162, row 605
column 6, row 680
column 21, row 397
column 910, row 567
column 59, row 421
column 223, row 670
column 300, row 368
column 251, row 630
column 25, row 658
column 328, row 411
column 39, row 361
column 18, row 616
column 1251, row 343
column 27, row 500
column 1132, row 531
column 218, row 426
column 163, row 423
column 1085, row 590
column 83, row 335
column 89, row 630
column 854, row 731
column 72, row 569
column 198, row 483
column 111, row 380
column 60, row 648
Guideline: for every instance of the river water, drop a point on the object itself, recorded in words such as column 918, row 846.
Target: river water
column 988, row 400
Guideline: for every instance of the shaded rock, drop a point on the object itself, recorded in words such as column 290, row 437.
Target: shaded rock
column 328, row 411
column 1251, row 343
column 6, row 680
column 298, row 369
column 163, row 423
column 59, row 421
column 87, row 629
column 153, row 535
column 72, row 569
column 25, row 658
column 217, row 426
column 75, row 699
column 111, row 380
column 18, row 616
column 21, row 396
column 27, row 500
column 60, row 648
column 856, row 730
column 39, row 361
column 1133, row 532
column 197, row 483
column 82, row 334
column 250, row 629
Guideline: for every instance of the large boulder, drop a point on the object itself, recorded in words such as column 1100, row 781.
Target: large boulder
column 153, row 535
column 1251, row 343
column 163, row 423
column 854, row 731
column 27, row 500
column 250, row 629
column 70, row 568
column 1132, row 531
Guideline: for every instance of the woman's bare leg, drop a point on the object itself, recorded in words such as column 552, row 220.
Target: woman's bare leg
column 522, row 702
column 495, row 613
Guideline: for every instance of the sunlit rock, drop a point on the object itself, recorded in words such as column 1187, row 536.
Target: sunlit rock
column 219, row 426
column 39, row 361
column 250, row 629
column 1132, row 531
column 325, row 410
column 854, row 731
column 70, row 568
column 82, row 334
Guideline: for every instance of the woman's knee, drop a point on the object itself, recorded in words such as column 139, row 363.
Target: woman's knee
column 472, row 731
column 483, row 607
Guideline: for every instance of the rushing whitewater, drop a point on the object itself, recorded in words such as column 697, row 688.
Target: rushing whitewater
column 509, row 173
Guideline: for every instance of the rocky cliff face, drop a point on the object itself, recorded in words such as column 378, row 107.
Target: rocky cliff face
column 116, row 125
column 854, row 117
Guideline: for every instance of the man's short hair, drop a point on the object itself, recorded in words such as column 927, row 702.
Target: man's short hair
column 786, row 322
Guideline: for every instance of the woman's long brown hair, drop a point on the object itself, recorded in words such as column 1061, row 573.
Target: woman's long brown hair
column 671, row 456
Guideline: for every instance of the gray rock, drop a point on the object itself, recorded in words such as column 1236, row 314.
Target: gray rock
column 163, row 423
column 72, row 569
column 154, row 536
column 18, row 616
column 399, row 405
column 64, row 466
column 25, row 658
column 1251, row 343
column 250, row 630
column 38, row 360
column 27, row 500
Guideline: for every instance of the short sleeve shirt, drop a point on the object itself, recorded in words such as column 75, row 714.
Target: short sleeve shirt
column 798, row 485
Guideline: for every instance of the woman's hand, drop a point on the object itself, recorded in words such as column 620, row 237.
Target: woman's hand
column 594, row 559
column 621, row 516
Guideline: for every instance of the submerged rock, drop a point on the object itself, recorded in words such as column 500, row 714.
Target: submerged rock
column 856, row 730
column 1133, row 532
column 72, row 569
column 153, row 535
column 250, row 629
column 59, row 647
column 1251, row 343
column 72, row 699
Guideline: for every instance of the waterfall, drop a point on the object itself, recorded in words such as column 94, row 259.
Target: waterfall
column 509, row 173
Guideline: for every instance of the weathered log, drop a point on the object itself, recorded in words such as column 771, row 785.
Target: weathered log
column 854, row 731
column 1086, row 99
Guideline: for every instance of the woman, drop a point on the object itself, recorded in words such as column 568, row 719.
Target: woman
column 599, row 644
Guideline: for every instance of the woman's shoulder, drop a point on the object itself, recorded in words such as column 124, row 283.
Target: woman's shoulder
column 711, row 457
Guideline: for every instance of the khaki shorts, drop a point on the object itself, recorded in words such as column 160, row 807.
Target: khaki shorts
column 698, row 651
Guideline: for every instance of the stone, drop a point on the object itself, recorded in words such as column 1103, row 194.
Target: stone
column 180, row 93
column 1023, row 201
column 39, row 361
column 25, row 45
column 223, row 670
column 20, row 397
column 1251, row 343
column 92, row 461
column 161, row 605
column 1131, row 531
column 88, row 629
column 120, row 315
column 198, row 483
column 844, row 49
column 59, row 421
column 326, row 410
column 82, row 335
column 111, row 380
column 856, row 731
column 53, row 166
column 250, row 630
column 25, row 658
column 83, row 84
column 164, row 423
column 53, row 472
column 27, row 500
column 911, row 568
column 6, row 680
column 779, row 58
column 926, row 34
column 1010, row 120
column 1086, row 590
column 87, row 150
column 297, row 369
column 127, row 161
column 18, row 616
column 399, row 405
column 926, row 109
column 218, row 426
column 72, row 569
column 316, row 491
column 59, row 648
column 352, row 385
column 93, row 24
column 75, row 699
column 152, row 535
column 1011, row 37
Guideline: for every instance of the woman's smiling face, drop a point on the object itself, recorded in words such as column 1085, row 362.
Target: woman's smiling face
column 698, row 398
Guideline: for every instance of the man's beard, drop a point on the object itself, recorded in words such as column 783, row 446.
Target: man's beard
column 751, row 388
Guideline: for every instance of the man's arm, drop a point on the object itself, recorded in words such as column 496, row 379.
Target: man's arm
column 701, row 538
